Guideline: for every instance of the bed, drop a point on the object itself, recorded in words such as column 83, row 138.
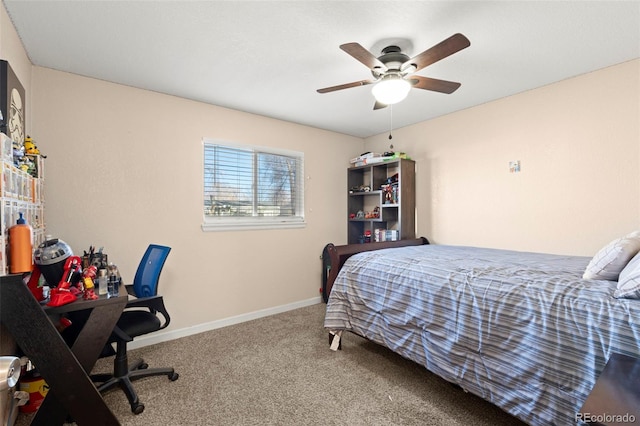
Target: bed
column 525, row 331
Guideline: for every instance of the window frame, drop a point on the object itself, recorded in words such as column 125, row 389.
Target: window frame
column 231, row 223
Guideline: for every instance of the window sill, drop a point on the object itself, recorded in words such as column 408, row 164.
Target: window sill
column 231, row 225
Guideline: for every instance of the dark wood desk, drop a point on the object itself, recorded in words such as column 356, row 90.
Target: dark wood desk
column 615, row 398
column 66, row 370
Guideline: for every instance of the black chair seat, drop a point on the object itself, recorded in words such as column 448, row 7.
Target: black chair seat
column 137, row 323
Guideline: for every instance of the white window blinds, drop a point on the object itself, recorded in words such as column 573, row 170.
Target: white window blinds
column 247, row 186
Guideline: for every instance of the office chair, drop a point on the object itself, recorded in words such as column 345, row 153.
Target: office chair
column 139, row 318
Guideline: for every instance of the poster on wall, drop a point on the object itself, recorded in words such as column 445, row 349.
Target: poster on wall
column 12, row 104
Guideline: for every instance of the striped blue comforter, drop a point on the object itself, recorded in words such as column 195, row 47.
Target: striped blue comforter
column 521, row 330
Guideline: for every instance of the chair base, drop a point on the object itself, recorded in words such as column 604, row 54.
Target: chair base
column 125, row 374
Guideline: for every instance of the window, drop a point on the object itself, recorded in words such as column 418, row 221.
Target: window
column 247, row 187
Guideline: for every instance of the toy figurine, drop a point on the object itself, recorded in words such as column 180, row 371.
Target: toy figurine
column 66, row 292
column 34, row 279
column 373, row 214
column 30, row 147
column 26, row 164
column 388, row 195
column 18, row 153
column 87, row 278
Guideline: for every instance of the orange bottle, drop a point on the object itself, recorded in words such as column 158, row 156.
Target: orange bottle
column 20, row 247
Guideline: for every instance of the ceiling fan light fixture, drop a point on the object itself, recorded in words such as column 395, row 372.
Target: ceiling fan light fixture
column 391, row 90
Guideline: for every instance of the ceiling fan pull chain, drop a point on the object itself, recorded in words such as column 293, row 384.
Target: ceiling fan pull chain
column 391, row 121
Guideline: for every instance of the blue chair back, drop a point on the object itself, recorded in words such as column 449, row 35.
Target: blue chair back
column 145, row 283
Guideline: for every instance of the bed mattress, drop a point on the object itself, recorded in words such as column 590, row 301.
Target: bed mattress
column 521, row 330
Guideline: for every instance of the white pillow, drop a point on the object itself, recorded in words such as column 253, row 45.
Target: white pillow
column 612, row 258
column 629, row 282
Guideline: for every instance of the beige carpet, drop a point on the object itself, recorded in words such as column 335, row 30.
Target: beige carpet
column 279, row 371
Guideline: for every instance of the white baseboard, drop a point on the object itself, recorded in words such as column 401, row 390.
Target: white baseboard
column 154, row 338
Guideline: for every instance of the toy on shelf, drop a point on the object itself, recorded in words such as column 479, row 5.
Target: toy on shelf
column 34, row 279
column 18, row 152
column 88, row 275
column 66, row 292
column 375, row 214
column 30, row 147
column 97, row 259
column 29, row 163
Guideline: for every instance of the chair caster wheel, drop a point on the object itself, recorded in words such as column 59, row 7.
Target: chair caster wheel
column 143, row 366
column 137, row 409
column 174, row 377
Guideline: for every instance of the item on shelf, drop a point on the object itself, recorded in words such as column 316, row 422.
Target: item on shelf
column 88, row 275
column 364, row 156
column 34, row 285
column 9, row 372
column 382, row 235
column 366, row 161
column 375, row 214
column 392, row 180
column 18, row 153
column 28, row 165
column 50, row 256
column 102, row 282
column 113, row 281
column 30, row 147
column 360, row 188
column 390, row 193
column 10, row 399
column 7, row 146
column 396, row 156
column 20, row 248
column 32, row 383
column 99, row 259
column 378, row 158
column 365, row 238
column 66, row 291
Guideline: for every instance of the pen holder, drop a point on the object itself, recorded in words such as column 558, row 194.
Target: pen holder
column 99, row 260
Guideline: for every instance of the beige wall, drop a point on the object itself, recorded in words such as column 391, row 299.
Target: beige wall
column 11, row 50
column 124, row 169
column 578, row 142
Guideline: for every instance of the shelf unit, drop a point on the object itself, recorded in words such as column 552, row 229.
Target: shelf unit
column 395, row 207
column 23, row 193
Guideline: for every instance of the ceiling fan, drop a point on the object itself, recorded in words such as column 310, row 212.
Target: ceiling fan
column 393, row 70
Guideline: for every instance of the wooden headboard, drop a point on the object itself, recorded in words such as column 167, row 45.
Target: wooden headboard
column 333, row 257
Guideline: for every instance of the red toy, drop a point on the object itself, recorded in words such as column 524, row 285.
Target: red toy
column 87, row 278
column 33, row 284
column 64, row 293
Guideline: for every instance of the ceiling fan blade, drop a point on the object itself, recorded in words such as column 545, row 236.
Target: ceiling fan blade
column 379, row 105
column 363, row 55
column 440, row 51
column 426, row 83
column 345, row 86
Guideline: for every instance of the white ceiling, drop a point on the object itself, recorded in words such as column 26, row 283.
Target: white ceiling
column 269, row 57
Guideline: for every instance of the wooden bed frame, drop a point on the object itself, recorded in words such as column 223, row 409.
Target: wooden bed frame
column 333, row 257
